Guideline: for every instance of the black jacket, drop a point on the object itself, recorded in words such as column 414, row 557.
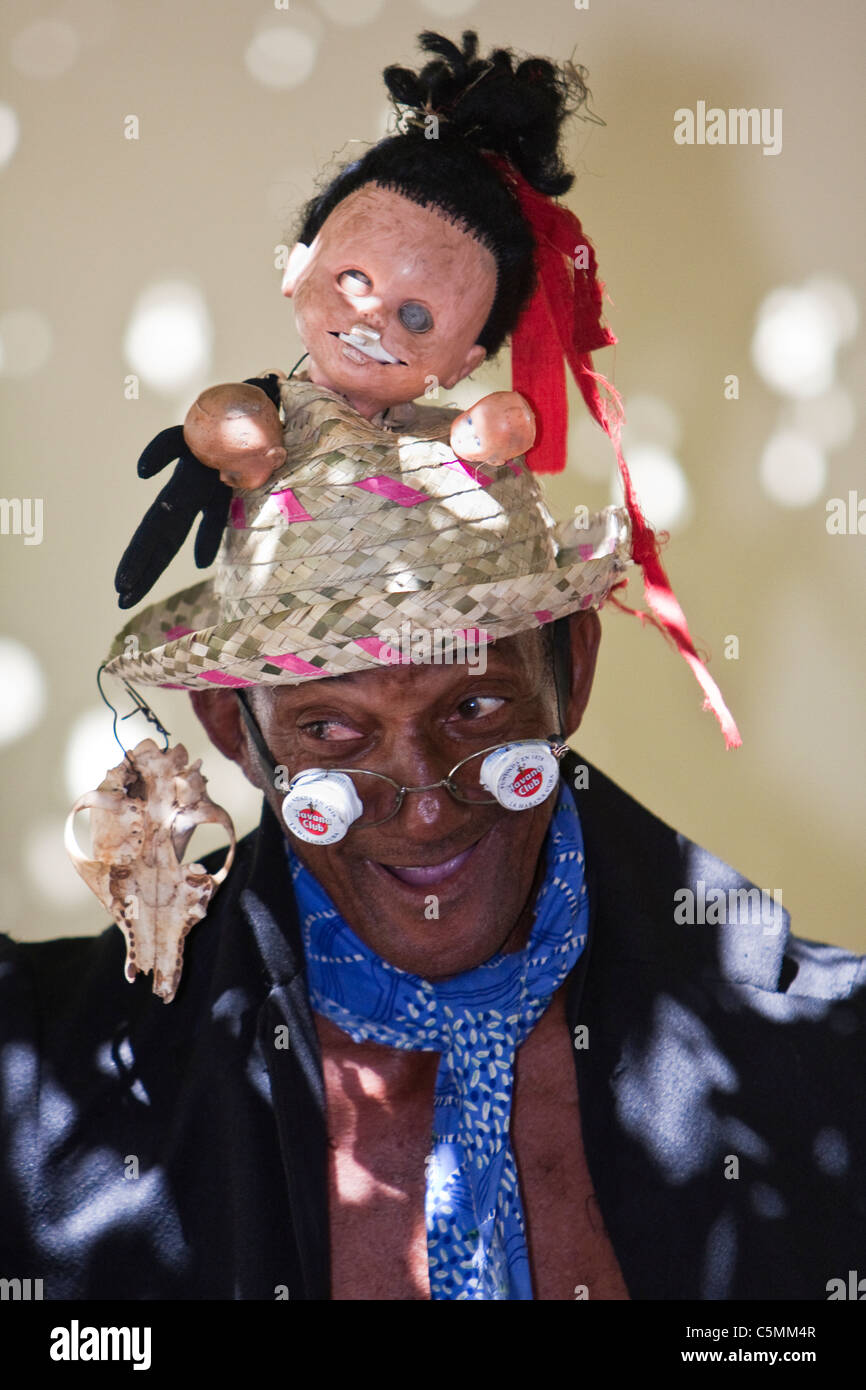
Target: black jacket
column 175, row 1151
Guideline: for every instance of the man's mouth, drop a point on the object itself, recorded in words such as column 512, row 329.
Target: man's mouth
column 360, row 345
column 425, row 874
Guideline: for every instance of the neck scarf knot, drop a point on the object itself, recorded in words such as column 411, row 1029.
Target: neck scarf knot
column 476, row 1239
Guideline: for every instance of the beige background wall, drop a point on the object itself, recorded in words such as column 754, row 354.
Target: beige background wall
column 691, row 241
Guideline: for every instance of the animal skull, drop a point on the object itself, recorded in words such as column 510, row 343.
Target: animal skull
column 142, row 816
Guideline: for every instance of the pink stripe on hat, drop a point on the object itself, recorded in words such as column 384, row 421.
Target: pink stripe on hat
column 395, row 492
column 174, row 632
column 238, row 513
column 294, row 663
column 289, row 505
column 382, row 651
column 223, row 678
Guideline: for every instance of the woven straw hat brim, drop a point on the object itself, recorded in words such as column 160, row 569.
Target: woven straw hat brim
column 328, row 639
column 365, row 529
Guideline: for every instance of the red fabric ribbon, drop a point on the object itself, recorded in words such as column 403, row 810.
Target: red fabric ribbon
column 562, row 322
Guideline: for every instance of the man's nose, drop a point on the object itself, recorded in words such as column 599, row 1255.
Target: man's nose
column 433, row 809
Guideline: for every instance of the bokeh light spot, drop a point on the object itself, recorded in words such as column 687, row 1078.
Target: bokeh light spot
column 90, row 751
column 793, row 469
column 281, row 57
column 650, row 420
column 45, row 49
column 589, row 448
column 662, row 489
column 26, row 342
column 169, row 336
column 49, row 868
column 839, row 301
column 10, row 133
column 22, row 690
column 795, row 340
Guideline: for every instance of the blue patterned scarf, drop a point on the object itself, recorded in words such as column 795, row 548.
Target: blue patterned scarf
column 476, row 1240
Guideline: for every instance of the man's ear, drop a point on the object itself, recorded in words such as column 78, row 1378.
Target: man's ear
column 471, row 362
column 218, row 711
column 298, row 258
column 585, row 632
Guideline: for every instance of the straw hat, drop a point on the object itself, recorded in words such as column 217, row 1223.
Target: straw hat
column 367, row 525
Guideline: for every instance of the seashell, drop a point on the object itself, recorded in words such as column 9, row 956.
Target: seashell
column 142, row 817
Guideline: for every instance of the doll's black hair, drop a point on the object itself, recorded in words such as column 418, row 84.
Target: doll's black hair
column 512, row 109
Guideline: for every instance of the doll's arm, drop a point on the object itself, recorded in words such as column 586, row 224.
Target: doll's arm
column 193, row 488
column 235, row 429
column 499, row 427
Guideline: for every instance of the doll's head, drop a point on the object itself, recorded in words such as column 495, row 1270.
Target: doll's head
column 417, row 253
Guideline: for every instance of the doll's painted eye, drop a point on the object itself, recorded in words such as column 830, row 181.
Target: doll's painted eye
column 355, row 281
column 415, row 317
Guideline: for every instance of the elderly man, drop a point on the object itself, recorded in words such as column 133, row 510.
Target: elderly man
column 444, row 1031
column 438, row 890
column 686, row 1117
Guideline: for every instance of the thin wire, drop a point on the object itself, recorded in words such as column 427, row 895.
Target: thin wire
column 141, row 707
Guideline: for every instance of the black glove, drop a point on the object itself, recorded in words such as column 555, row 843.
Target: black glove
column 192, row 488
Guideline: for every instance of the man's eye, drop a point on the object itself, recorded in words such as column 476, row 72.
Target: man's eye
column 477, row 706
column 415, row 317
column 329, row 730
column 355, row 281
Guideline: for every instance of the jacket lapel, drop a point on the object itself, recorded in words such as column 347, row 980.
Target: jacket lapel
column 289, row 1044
column 685, row 1082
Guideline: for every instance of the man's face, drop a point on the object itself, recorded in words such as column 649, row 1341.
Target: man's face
column 413, row 723
column 422, row 283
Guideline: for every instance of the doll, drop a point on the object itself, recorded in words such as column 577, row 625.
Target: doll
column 406, row 197
column 414, row 264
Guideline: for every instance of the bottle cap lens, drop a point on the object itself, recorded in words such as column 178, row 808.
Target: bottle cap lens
column 320, row 806
column 520, row 775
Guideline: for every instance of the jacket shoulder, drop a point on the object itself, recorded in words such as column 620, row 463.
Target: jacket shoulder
column 666, row 896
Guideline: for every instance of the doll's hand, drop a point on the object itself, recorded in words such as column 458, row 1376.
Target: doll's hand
column 236, row 430
column 499, row 427
column 193, row 488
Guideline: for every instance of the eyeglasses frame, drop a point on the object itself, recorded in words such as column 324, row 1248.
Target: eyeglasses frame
column 558, row 750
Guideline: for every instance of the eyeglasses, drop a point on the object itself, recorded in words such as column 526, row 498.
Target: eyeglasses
column 517, row 775
column 322, row 803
